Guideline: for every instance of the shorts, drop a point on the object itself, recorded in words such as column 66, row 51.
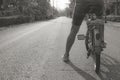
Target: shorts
column 82, row 8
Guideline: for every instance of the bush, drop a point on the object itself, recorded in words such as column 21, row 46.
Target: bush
column 22, row 19
column 113, row 18
column 9, row 12
column 12, row 20
column 36, row 12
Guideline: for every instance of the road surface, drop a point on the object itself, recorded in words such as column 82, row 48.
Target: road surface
column 34, row 52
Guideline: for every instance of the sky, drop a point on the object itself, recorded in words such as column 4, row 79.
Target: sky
column 60, row 4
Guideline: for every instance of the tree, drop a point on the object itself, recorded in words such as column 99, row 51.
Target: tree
column 112, row 6
column 35, row 8
column 70, row 9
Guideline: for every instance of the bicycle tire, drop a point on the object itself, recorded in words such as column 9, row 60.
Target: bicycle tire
column 97, row 63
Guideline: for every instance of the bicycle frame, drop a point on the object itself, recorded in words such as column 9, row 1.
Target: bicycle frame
column 94, row 28
column 93, row 39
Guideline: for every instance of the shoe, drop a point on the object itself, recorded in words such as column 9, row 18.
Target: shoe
column 66, row 58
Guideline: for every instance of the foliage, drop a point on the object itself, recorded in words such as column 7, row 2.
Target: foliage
column 25, row 10
column 113, row 18
column 68, row 11
column 36, row 9
column 12, row 20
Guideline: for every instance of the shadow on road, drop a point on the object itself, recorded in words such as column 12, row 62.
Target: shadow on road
column 85, row 75
column 110, row 68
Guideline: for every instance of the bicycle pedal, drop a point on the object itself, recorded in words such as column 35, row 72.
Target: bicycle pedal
column 81, row 37
column 104, row 45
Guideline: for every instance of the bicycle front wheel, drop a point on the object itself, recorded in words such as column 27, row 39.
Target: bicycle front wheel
column 97, row 63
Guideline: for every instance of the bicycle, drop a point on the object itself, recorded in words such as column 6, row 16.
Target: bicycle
column 93, row 39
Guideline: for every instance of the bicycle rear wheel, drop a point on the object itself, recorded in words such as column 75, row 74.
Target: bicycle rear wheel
column 97, row 62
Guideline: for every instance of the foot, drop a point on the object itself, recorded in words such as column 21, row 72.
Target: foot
column 66, row 58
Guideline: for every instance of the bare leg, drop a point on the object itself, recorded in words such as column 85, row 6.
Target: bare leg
column 70, row 40
column 78, row 15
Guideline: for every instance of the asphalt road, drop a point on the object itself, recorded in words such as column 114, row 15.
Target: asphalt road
column 34, row 52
